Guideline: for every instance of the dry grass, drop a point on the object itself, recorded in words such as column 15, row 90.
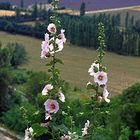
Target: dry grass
column 9, row 13
column 122, row 70
column 69, row 11
column 136, row 9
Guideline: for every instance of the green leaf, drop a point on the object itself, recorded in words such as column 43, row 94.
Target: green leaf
column 92, row 86
column 62, row 128
column 38, row 130
column 57, row 60
column 104, row 69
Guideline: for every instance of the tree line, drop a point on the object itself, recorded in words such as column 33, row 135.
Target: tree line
column 122, row 39
column 82, row 30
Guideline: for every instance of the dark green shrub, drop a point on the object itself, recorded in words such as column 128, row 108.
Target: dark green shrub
column 125, row 112
column 18, row 54
column 5, row 89
column 131, row 94
column 20, row 76
column 4, row 57
column 35, row 85
column 14, row 118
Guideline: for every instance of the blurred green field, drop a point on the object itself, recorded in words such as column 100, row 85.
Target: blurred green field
column 122, row 70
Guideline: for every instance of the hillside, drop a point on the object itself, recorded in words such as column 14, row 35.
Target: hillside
column 122, row 70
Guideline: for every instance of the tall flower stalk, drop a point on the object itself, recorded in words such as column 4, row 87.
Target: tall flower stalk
column 98, row 72
column 52, row 94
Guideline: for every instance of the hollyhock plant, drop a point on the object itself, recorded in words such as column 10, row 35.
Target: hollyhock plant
column 48, row 47
column 46, row 89
column 98, row 71
column 51, row 106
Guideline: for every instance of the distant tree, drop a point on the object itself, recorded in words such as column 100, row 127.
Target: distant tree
column 5, row 5
column 127, row 20
column 22, row 3
column 82, row 9
column 35, row 10
column 49, row 1
column 17, row 14
column 132, row 21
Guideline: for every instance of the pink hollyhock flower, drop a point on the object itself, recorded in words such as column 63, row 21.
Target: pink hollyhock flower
column 105, row 95
column 61, row 96
column 65, row 137
column 100, row 78
column 46, row 89
column 59, row 44
column 85, row 129
column 91, row 70
column 52, row 28
column 51, row 106
column 45, row 47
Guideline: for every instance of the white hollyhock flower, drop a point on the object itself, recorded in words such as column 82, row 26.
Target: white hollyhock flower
column 52, row 28
column 85, row 129
column 31, row 130
column 62, row 35
column 61, row 96
column 65, row 137
column 91, row 70
column 100, row 78
column 46, row 89
column 105, row 95
column 28, row 134
column 48, row 116
column 59, row 44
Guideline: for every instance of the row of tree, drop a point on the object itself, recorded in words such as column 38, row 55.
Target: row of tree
column 123, row 39
column 82, row 30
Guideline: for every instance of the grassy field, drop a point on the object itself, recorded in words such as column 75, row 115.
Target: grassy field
column 122, row 70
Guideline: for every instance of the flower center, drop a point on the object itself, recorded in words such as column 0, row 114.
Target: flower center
column 53, row 106
column 52, row 29
column 100, row 77
column 47, row 54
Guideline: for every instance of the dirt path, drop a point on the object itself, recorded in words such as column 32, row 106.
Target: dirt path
column 3, row 137
column 114, row 9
